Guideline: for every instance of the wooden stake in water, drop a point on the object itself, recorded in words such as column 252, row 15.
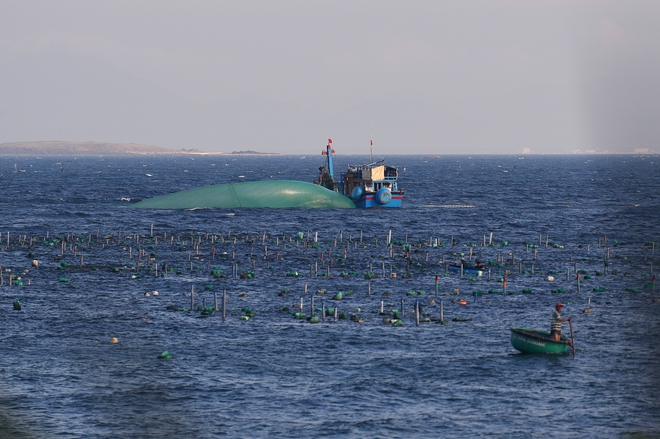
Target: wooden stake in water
column 442, row 311
column 417, row 312
column 382, row 305
column 578, row 281
column 192, row 298
column 224, row 305
column 323, row 310
column 570, row 323
column 336, row 313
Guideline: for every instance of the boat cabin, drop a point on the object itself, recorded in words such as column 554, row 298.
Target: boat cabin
column 370, row 177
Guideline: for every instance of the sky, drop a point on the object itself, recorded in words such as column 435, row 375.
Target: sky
column 423, row 77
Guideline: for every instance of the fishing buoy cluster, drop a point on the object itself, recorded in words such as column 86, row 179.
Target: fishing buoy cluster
column 400, row 267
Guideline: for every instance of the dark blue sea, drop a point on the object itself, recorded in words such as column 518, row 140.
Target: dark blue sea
column 530, row 217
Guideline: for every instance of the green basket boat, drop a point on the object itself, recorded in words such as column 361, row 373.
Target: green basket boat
column 533, row 341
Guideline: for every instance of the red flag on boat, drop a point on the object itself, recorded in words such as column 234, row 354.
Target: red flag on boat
column 329, row 140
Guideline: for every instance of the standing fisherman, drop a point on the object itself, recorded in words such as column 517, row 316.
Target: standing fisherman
column 555, row 323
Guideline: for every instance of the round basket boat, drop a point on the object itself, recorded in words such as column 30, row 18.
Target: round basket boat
column 533, row 341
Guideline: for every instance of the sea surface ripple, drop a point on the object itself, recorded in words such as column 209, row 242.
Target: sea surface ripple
column 275, row 376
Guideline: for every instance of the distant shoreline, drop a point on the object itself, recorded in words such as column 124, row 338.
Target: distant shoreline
column 65, row 148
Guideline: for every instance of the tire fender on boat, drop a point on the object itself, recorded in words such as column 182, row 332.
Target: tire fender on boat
column 383, row 196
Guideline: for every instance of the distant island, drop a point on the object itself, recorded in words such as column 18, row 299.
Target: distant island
column 65, row 148
column 250, row 152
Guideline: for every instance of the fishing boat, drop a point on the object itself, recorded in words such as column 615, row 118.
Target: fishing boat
column 533, row 341
column 374, row 184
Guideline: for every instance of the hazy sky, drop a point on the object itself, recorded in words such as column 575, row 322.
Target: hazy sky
column 431, row 77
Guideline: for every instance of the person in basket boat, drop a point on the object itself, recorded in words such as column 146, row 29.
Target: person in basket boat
column 557, row 320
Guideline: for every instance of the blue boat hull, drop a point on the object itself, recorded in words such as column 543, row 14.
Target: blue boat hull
column 369, row 200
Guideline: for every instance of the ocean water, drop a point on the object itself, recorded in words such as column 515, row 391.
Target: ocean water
column 276, row 376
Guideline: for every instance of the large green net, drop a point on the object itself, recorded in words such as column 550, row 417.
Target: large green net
column 276, row 194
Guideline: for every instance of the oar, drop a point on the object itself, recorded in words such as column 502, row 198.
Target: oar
column 570, row 324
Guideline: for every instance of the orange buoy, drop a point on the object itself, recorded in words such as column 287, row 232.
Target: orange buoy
column 462, row 302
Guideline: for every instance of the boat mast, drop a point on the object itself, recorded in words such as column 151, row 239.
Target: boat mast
column 328, row 152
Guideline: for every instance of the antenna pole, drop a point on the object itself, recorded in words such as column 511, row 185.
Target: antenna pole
column 371, row 144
